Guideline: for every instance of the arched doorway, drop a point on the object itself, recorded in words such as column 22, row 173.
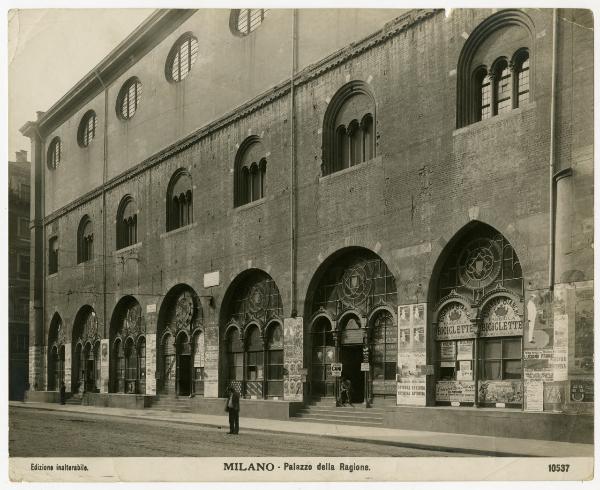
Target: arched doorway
column 346, row 299
column 252, row 303
column 477, row 321
column 86, row 346
column 127, row 341
column 180, row 364
column 56, row 354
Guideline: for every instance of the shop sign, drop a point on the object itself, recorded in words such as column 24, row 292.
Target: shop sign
column 500, row 392
column 336, row 369
column 501, row 319
column 534, row 396
column 582, row 390
column 465, row 350
column 464, row 375
column 454, row 323
column 455, row 391
column 410, row 391
column 364, row 366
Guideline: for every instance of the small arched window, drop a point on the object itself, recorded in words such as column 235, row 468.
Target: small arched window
column 250, row 172
column 54, row 153
column 53, row 255
column 502, row 87
column 521, row 85
column 181, row 58
column 87, row 129
column 85, row 240
column 180, row 204
column 243, row 21
column 129, row 98
column 348, row 133
column 126, row 223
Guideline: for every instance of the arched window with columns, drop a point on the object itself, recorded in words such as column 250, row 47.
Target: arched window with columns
column 250, row 172
column 348, row 128
column 180, row 208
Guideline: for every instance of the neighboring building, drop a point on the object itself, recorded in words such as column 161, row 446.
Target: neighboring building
column 18, row 274
column 250, row 197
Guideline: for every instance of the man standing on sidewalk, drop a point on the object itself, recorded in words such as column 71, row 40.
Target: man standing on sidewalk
column 233, row 408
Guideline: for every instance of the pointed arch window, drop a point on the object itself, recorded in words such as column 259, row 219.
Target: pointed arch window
column 180, row 206
column 127, row 223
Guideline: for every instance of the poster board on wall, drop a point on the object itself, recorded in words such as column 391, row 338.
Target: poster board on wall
column 411, row 383
column 293, row 340
column 211, row 361
column 151, row 364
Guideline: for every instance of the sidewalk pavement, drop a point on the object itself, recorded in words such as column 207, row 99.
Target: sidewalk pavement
column 440, row 441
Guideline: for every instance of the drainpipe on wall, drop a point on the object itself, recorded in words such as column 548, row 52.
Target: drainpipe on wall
column 551, row 164
column 293, row 221
column 104, row 175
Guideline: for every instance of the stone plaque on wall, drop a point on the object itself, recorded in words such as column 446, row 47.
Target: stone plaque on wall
column 411, row 382
column 151, row 364
column 293, row 340
column 104, row 365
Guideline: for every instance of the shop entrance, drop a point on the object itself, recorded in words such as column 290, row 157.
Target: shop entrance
column 184, row 375
column 351, row 357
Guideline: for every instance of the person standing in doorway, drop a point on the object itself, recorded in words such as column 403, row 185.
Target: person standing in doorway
column 233, row 408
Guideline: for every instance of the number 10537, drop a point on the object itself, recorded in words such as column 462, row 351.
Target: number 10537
column 554, row 468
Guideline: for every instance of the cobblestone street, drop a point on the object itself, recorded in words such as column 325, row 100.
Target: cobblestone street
column 45, row 433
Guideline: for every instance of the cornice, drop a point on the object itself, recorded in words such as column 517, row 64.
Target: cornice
column 390, row 30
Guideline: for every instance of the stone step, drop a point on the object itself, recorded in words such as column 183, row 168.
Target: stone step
column 342, row 414
column 338, row 421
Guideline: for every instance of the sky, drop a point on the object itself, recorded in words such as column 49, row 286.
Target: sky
column 49, row 50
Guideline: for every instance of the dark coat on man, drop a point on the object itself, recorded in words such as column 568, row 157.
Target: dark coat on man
column 232, row 406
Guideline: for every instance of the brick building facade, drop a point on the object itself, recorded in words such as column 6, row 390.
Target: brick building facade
column 248, row 198
column 18, row 274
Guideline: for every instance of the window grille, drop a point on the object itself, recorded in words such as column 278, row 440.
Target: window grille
column 182, row 57
column 54, row 153
column 87, row 129
column 129, row 98
column 247, row 20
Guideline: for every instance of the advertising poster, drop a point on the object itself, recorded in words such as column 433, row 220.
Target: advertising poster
column 447, row 349
column 68, row 366
column 411, row 354
column 293, row 337
column 582, row 390
column 411, row 391
column 211, row 361
column 104, row 365
column 500, row 392
column 464, row 350
column 455, row 391
column 534, row 396
column 582, row 337
column 151, row 364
